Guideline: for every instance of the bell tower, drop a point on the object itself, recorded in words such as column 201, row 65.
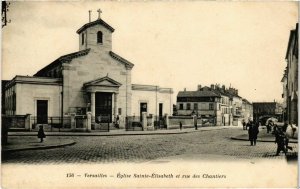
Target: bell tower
column 96, row 35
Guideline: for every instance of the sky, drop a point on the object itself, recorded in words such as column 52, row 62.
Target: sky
column 172, row 44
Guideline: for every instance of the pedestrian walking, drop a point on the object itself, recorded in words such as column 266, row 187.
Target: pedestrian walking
column 281, row 140
column 41, row 135
column 180, row 125
column 253, row 132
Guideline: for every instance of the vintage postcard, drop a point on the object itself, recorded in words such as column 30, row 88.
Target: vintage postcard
column 151, row 94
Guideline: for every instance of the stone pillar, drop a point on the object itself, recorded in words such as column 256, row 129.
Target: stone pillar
column 144, row 120
column 89, row 121
column 151, row 127
column 167, row 120
column 93, row 103
column 113, row 115
column 116, row 104
column 28, row 122
column 72, row 121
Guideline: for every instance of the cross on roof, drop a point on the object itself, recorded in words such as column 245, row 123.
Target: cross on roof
column 99, row 13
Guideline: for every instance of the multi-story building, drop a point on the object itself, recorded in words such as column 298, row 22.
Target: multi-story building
column 203, row 102
column 223, row 105
column 292, row 77
column 247, row 110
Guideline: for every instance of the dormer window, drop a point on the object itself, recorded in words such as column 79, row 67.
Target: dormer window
column 82, row 38
column 99, row 37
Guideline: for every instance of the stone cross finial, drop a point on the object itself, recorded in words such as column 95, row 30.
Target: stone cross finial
column 99, row 13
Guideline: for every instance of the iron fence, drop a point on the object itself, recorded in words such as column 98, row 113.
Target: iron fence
column 160, row 122
column 100, row 124
column 53, row 123
column 133, row 123
column 81, row 122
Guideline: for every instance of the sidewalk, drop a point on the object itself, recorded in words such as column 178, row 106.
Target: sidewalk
column 121, row 132
column 16, row 143
column 262, row 136
column 29, row 141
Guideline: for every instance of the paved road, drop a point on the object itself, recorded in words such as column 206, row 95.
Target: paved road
column 107, row 149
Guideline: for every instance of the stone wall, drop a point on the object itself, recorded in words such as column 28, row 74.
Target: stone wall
column 28, row 94
column 153, row 99
column 91, row 67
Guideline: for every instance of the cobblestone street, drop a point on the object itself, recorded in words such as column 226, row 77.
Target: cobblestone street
column 109, row 149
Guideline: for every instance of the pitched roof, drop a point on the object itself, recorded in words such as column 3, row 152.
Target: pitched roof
column 197, row 94
column 63, row 59
column 120, row 59
column 90, row 24
column 293, row 35
column 103, row 81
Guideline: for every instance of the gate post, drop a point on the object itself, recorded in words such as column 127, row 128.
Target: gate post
column 73, row 121
column 89, row 121
column 28, row 122
column 167, row 120
column 144, row 120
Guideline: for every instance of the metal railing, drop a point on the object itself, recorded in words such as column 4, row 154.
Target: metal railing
column 52, row 123
column 133, row 123
column 100, row 124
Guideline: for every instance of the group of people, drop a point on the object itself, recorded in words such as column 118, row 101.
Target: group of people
column 280, row 137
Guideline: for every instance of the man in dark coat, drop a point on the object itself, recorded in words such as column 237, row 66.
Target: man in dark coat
column 281, row 140
column 253, row 132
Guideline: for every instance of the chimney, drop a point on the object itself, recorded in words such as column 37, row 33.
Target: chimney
column 212, row 87
column 223, row 88
column 199, row 87
column 184, row 89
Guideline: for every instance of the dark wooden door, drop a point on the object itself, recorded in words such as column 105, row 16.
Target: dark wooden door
column 104, row 106
column 42, row 111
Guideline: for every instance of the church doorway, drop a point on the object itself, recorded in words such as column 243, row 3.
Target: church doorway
column 42, row 111
column 103, row 106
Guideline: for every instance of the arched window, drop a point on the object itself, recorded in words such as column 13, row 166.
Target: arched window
column 99, row 37
column 82, row 39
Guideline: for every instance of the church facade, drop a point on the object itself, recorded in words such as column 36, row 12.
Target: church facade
column 95, row 79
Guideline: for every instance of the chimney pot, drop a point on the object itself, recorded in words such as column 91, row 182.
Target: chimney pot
column 199, row 87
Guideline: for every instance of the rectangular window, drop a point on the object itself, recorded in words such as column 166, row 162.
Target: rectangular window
column 180, row 106
column 120, row 111
column 211, row 106
column 188, row 106
column 195, row 106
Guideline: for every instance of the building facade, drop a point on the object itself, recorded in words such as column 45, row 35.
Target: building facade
column 292, row 77
column 215, row 102
column 267, row 109
column 284, row 96
column 94, row 79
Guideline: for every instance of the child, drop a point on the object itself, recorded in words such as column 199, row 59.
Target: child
column 41, row 133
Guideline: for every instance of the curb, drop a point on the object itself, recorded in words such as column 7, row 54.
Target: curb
column 258, row 140
column 39, row 148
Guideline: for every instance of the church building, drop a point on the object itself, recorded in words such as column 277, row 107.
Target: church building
column 94, row 79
